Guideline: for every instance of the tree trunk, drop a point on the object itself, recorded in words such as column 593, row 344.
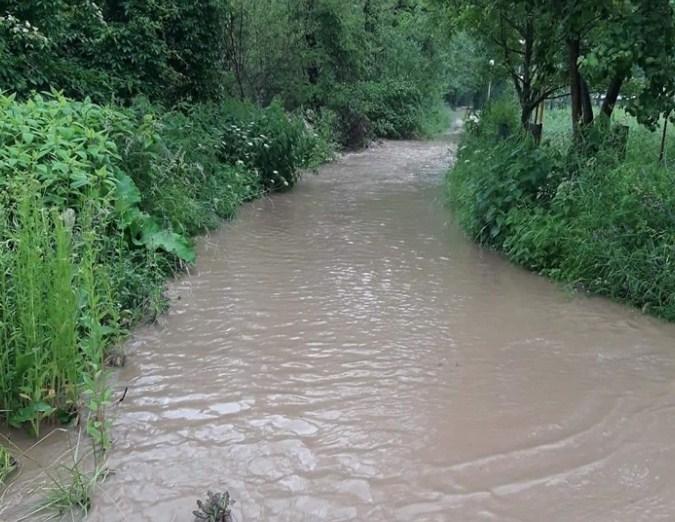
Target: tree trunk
column 310, row 39
column 369, row 17
column 526, row 114
column 575, row 83
column 612, row 95
column 312, row 68
column 235, row 49
column 586, row 103
column 526, row 95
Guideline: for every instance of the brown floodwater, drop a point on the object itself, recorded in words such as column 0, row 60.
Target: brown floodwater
column 342, row 352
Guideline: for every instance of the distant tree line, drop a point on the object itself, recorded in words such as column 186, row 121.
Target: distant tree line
column 374, row 62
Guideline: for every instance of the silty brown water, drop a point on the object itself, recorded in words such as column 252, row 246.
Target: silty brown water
column 342, row 352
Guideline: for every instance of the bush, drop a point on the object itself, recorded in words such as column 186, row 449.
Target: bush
column 163, row 49
column 394, row 107
column 587, row 219
column 62, row 201
column 270, row 144
column 173, row 158
column 623, row 235
column 385, row 109
column 493, row 176
column 98, row 203
column 499, row 120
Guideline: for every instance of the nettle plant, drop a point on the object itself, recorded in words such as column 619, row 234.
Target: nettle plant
column 68, row 148
column 270, row 144
column 65, row 199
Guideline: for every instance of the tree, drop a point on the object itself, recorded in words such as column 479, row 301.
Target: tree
column 606, row 43
column 523, row 38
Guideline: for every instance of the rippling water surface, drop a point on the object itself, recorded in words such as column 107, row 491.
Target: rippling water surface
column 343, row 353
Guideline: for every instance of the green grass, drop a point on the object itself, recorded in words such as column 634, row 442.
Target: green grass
column 7, row 465
column 593, row 220
column 40, row 358
column 73, row 485
column 643, row 144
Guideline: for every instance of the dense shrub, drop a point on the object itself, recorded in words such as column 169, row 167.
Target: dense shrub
column 270, row 144
column 387, row 59
column 164, row 49
column 386, row 109
column 66, row 198
column 394, row 107
column 98, row 204
column 494, row 174
column 591, row 220
column 173, row 159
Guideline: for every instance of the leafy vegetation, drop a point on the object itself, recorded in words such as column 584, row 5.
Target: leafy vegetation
column 592, row 205
column 310, row 54
column 545, row 48
column 58, row 310
column 600, row 222
column 216, row 508
column 98, row 205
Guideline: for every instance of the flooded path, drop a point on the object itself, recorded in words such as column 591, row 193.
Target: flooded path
column 343, row 353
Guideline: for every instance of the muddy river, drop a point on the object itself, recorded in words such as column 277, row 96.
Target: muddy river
column 343, row 353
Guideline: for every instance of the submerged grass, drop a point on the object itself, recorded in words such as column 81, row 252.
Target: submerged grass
column 600, row 221
column 72, row 485
column 7, row 465
column 65, row 486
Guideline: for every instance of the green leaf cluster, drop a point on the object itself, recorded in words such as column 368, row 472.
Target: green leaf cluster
column 596, row 222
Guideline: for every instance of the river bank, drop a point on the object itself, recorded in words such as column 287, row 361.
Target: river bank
column 127, row 130
column 596, row 215
column 197, row 176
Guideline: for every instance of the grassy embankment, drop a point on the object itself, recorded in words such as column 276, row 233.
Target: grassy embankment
column 598, row 221
column 98, row 205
